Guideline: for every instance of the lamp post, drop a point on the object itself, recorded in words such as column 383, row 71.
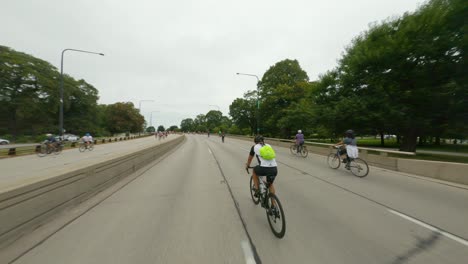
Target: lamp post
column 61, row 86
column 139, row 108
column 151, row 117
column 258, row 101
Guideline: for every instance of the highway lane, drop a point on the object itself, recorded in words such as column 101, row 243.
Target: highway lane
column 181, row 211
column 18, row 171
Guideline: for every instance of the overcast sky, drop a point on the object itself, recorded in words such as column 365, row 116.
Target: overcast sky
column 184, row 54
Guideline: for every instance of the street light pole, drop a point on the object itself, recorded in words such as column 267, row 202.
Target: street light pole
column 139, row 107
column 61, row 86
column 151, row 117
column 258, row 101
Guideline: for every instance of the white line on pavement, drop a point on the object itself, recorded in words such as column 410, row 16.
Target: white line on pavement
column 248, row 254
column 209, row 150
column 432, row 228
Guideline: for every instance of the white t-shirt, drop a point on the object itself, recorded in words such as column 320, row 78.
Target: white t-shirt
column 88, row 139
column 262, row 162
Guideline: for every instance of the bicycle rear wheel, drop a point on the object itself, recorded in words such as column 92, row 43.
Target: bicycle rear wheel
column 42, row 151
column 256, row 200
column 359, row 167
column 82, row 147
column 275, row 215
column 304, row 152
column 333, row 161
column 293, row 149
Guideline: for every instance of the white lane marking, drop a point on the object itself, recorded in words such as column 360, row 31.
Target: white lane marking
column 209, row 150
column 432, row 228
column 248, row 254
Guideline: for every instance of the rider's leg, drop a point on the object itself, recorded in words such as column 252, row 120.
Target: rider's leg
column 255, row 179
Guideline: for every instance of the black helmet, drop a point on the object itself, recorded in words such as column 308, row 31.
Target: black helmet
column 258, row 139
column 349, row 132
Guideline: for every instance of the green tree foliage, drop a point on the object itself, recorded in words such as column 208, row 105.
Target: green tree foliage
column 173, row 128
column 28, row 93
column 187, row 125
column 243, row 111
column 283, row 85
column 123, row 117
column 403, row 76
column 161, row 128
column 150, row 129
column 213, row 119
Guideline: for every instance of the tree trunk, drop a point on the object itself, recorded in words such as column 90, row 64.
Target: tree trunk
column 437, row 141
column 409, row 140
column 382, row 140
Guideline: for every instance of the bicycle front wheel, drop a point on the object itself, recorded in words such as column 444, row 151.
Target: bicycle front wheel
column 304, row 152
column 42, row 151
column 275, row 215
column 58, row 149
column 293, row 149
column 333, row 161
column 82, row 147
column 253, row 190
column 91, row 147
column 359, row 167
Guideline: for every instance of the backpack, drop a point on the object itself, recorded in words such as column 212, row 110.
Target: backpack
column 267, row 152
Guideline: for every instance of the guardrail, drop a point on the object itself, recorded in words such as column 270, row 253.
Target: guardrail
column 6, row 151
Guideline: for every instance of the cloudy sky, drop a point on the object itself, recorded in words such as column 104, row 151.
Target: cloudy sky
column 184, row 54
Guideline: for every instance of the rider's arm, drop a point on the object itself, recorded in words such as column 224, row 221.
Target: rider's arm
column 339, row 143
column 249, row 159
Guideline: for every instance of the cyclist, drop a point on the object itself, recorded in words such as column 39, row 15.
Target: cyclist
column 351, row 147
column 222, row 136
column 50, row 141
column 265, row 167
column 87, row 139
column 299, row 140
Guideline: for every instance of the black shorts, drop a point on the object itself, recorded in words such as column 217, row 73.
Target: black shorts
column 269, row 172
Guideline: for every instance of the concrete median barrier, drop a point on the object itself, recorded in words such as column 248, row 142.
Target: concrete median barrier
column 24, row 208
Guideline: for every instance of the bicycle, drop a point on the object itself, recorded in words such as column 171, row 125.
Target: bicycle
column 49, row 148
column 302, row 150
column 357, row 166
column 84, row 146
column 271, row 203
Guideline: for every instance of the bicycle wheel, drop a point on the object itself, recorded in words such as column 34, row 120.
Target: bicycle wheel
column 82, row 147
column 359, row 167
column 275, row 215
column 304, row 152
column 91, row 147
column 58, row 149
column 293, row 149
column 333, row 161
column 42, row 151
column 256, row 200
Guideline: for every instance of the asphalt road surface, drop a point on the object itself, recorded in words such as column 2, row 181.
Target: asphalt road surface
column 195, row 207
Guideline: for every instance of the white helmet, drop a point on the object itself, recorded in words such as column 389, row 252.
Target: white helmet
column 299, row 131
column 48, row 135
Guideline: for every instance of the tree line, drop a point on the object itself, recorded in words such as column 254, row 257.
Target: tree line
column 30, row 100
column 405, row 76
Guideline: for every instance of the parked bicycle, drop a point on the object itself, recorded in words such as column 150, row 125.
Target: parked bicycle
column 357, row 166
column 49, row 148
column 298, row 149
column 86, row 146
column 271, row 203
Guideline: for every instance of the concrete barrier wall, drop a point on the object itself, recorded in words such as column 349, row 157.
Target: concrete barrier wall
column 447, row 171
column 24, row 208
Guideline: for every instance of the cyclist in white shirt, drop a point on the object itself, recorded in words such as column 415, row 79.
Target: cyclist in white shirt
column 87, row 139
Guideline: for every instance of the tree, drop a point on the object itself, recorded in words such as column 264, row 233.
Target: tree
column 213, row 119
column 150, row 129
column 161, row 128
column 173, row 128
column 187, row 125
column 282, row 85
column 123, row 117
column 28, row 93
column 243, row 111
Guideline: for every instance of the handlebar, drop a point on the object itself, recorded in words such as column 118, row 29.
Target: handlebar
column 247, row 169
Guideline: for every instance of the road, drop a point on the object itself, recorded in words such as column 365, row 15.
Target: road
column 184, row 210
